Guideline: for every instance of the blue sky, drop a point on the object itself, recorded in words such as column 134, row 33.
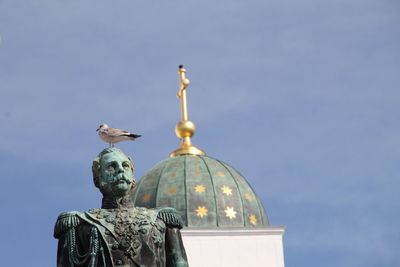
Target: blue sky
column 302, row 97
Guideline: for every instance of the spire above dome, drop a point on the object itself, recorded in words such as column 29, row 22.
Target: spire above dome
column 206, row 192
column 185, row 129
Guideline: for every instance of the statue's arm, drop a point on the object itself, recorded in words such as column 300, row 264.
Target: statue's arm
column 62, row 252
column 175, row 251
column 78, row 242
column 66, row 222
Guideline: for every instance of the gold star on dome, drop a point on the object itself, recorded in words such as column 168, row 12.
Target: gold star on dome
column 146, row 197
column 200, row 188
column 201, row 211
column 230, row 213
column 226, row 190
column 172, row 190
column 253, row 219
column 220, row 174
column 248, row 196
column 197, row 171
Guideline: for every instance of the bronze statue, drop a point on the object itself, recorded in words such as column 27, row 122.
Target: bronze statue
column 119, row 234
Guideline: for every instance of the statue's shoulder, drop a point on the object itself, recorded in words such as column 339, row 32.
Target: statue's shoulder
column 170, row 217
column 65, row 221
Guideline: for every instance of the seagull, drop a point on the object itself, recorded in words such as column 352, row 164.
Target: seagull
column 112, row 136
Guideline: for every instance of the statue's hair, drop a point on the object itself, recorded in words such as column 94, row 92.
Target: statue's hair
column 97, row 160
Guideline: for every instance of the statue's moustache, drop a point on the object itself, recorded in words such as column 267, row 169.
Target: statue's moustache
column 122, row 177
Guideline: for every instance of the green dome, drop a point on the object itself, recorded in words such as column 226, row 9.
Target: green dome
column 206, row 192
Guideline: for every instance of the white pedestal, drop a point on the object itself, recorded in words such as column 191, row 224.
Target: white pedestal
column 234, row 247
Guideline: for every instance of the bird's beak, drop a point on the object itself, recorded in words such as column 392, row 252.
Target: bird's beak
column 97, row 129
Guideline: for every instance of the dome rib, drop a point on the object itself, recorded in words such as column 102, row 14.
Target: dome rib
column 140, row 185
column 264, row 216
column 158, row 182
column 137, row 189
column 213, row 188
column 185, row 187
column 238, row 188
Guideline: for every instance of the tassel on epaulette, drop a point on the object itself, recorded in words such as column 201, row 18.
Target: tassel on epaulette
column 170, row 217
column 65, row 221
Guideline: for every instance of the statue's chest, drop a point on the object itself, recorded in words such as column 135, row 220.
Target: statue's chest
column 128, row 230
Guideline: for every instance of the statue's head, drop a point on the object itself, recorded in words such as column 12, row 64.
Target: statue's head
column 113, row 172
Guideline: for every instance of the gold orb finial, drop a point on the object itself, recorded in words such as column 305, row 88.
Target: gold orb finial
column 185, row 129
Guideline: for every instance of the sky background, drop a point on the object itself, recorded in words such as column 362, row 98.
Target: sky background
column 302, row 97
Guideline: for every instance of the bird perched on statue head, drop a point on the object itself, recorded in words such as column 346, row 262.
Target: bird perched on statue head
column 112, row 136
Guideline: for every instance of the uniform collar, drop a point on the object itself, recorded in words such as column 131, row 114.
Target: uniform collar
column 116, row 203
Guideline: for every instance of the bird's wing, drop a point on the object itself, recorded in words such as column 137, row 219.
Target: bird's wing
column 116, row 132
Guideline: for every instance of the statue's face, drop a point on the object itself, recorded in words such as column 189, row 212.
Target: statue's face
column 116, row 174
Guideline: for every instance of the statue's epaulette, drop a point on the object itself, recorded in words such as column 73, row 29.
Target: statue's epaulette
column 66, row 221
column 170, row 217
